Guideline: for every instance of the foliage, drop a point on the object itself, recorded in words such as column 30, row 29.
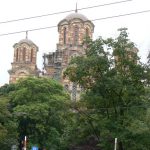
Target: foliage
column 8, row 134
column 41, row 107
column 5, row 89
column 115, row 92
column 147, row 66
column 115, row 103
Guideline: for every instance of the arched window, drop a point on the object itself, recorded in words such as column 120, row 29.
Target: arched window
column 17, row 54
column 76, row 35
column 64, row 36
column 31, row 55
column 87, row 33
column 24, row 54
column 66, row 87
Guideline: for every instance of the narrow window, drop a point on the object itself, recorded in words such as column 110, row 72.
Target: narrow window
column 66, row 87
column 76, row 35
column 24, row 54
column 87, row 33
column 16, row 54
column 65, row 35
column 31, row 55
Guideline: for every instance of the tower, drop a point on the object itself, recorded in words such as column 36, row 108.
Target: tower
column 24, row 61
column 73, row 29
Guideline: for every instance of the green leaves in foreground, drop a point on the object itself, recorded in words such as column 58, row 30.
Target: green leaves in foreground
column 40, row 105
column 115, row 98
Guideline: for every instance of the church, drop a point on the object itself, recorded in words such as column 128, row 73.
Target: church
column 73, row 29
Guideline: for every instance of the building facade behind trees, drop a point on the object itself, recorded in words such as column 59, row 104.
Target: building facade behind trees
column 73, row 29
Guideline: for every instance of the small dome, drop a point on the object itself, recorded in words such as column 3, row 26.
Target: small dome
column 26, row 41
column 76, row 15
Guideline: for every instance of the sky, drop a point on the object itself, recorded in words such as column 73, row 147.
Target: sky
column 138, row 25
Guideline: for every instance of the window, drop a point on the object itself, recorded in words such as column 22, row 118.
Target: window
column 76, row 35
column 65, row 35
column 66, row 87
column 31, row 55
column 87, row 33
column 17, row 54
column 24, row 54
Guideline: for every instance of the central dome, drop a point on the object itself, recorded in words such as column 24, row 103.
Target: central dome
column 74, row 16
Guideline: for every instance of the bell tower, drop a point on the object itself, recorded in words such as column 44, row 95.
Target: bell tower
column 24, row 61
column 73, row 29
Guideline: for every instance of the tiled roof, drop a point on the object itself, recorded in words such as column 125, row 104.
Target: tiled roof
column 76, row 15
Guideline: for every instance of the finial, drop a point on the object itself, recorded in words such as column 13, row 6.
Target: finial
column 76, row 8
column 26, row 34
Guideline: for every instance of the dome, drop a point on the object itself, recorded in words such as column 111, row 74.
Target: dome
column 73, row 16
column 26, row 41
column 76, row 15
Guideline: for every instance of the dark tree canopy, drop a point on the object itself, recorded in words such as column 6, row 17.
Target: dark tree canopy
column 40, row 105
column 115, row 103
column 113, row 79
column 8, row 127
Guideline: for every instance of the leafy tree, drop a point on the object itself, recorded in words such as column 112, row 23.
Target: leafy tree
column 114, row 89
column 8, row 132
column 147, row 66
column 148, row 57
column 6, row 89
column 41, row 107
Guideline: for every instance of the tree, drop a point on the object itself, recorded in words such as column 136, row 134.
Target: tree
column 8, row 132
column 147, row 66
column 148, row 57
column 114, row 91
column 41, row 107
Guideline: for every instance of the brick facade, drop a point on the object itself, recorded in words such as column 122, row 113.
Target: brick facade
column 72, row 31
column 24, row 61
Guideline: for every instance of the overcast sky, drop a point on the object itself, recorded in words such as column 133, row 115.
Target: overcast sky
column 138, row 25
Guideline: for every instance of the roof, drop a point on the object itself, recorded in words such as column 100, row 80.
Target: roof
column 72, row 16
column 26, row 41
column 76, row 15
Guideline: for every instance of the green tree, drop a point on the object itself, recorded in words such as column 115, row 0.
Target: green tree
column 41, row 107
column 148, row 57
column 8, row 127
column 147, row 66
column 114, row 89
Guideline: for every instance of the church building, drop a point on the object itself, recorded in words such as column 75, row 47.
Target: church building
column 73, row 29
